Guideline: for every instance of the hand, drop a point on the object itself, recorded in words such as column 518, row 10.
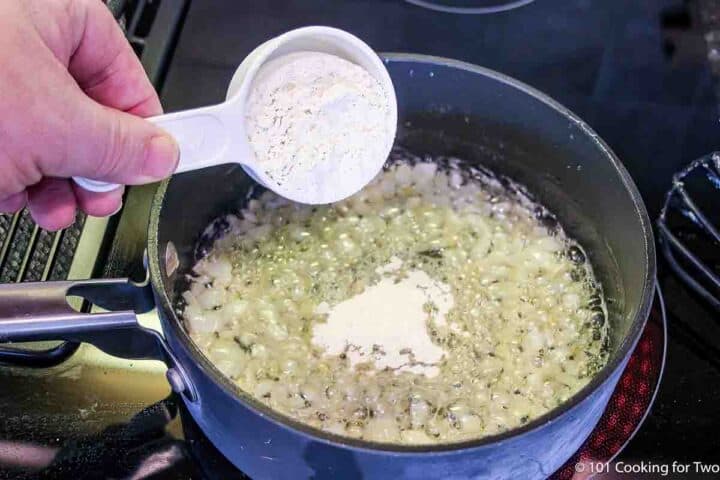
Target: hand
column 71, row 94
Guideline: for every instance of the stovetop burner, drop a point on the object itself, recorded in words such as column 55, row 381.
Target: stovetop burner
column 632, row 400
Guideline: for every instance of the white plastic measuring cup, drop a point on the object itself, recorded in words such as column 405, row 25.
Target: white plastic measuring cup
column 215, row 135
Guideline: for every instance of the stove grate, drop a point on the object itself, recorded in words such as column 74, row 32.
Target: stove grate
column 687, row 227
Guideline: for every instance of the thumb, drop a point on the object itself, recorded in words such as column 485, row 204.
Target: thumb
column 113, row 146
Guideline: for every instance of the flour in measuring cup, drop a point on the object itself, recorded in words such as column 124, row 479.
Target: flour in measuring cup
column 311, row 114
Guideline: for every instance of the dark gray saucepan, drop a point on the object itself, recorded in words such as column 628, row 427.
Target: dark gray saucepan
column 446, row 108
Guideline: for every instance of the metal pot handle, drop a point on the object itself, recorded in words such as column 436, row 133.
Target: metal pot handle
column 35, row 311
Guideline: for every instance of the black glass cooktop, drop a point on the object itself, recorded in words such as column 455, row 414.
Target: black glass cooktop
column 637, row 72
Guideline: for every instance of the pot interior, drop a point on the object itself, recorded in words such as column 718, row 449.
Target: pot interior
column 449, row 108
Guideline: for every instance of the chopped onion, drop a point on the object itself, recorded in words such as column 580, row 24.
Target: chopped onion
column 519, row 337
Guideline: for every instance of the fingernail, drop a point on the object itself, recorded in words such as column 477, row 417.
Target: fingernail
column 161, row 157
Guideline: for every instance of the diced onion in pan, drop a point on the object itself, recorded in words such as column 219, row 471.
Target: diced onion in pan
column 525, row 331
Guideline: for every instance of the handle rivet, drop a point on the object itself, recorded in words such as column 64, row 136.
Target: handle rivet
column 175, row 380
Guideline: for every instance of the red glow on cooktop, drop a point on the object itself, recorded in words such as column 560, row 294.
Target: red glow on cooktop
column 629, row 403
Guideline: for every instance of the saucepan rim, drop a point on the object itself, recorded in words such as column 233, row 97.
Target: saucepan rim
column 173, row 322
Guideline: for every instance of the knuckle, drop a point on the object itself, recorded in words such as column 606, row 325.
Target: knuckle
column 27, row 172
column 19, row 173
column 13, row 203
column 111, row 160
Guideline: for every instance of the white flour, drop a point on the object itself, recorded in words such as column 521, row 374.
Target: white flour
column 387, row 324
column 311, row 114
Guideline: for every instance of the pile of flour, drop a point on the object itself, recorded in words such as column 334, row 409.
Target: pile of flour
column 311, row 115
column 387, row 324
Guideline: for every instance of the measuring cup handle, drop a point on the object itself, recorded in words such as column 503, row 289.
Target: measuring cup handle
column 201, row 136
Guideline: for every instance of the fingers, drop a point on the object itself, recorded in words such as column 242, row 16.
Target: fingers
column 112, row 146
column 98, row 204
column 125, row 149
column 106, row 67
column 103, row 143
column 13, row 203
column 62, row 110
column 52, row 203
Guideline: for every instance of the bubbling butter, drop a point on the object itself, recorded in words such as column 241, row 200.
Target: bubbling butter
column 432, row 307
